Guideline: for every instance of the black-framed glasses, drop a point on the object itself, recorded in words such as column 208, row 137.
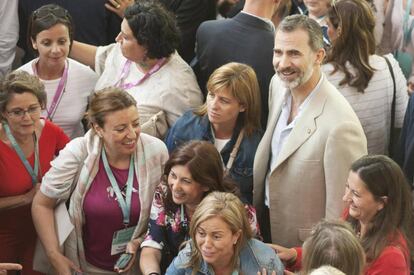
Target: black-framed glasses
column 20, row 113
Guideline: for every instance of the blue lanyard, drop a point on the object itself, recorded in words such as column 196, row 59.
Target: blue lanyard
column 124, row 204
column 33, row 172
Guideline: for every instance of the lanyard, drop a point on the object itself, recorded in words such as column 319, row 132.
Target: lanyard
column 126, row 69
column 125, row 205
column 33, row 172
column 59, row 91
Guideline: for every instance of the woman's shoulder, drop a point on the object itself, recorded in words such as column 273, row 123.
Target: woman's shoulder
column 75, row 66
column 178, row 265
column 263, row 254
column 27, row 67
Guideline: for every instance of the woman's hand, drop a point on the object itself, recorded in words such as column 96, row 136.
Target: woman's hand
column 132, row 248
column 7, row 266
column 118, row 6
column 63, row 265
column 285, row 254
column 264, row 272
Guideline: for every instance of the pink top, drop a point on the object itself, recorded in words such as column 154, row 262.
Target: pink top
column 103, row 216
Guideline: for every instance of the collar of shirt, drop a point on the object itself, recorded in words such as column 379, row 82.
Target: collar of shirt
column 268, row 21
column 288, row 100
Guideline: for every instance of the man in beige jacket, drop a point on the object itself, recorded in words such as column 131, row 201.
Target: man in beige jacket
column 312, row 137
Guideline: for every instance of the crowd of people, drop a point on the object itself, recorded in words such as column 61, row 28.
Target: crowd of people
column 173, row 140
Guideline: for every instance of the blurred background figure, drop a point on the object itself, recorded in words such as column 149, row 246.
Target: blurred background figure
column 68, row 83
column 363, row 77
column 9, row 34
column 27, row 145
column 221, row 240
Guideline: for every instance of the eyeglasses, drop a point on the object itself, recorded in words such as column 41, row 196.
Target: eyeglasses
column 20, row 113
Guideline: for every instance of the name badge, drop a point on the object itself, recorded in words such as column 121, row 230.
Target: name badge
column 121, row 239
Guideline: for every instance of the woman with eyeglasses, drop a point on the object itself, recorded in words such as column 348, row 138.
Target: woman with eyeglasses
column 192, row 171
column 68, row 83
column 364, row 78
column 27, row 145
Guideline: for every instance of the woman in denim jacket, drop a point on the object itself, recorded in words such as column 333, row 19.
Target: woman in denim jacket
column 230, row 119
column 221, row 240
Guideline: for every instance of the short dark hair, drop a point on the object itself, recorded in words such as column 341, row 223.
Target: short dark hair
column 46, row 17
column 19, row 82
column 302, row 22
column 153, row 27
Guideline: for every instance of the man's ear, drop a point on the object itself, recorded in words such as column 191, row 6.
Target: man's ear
column 320, row 56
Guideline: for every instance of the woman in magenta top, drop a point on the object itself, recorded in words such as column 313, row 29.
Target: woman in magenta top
column 27, row 145
column 379, row 208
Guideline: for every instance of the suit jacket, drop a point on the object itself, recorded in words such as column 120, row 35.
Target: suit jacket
column 245, row 39
column 308, row 181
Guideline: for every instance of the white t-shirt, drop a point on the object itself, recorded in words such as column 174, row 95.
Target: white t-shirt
column 72, row 106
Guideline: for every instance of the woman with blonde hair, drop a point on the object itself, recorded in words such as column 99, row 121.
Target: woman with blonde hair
column 230, row 119
column 221, row 242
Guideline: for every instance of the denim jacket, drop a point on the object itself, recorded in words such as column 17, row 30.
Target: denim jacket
column 194, row 127
column 253, row 257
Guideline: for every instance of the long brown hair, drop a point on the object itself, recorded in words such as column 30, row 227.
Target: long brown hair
column 355, row 22
column 384, row 178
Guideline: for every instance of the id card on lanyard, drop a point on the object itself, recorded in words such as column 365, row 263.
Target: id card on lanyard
column 127, row 67
column 33, row 172
column 121, row 237
column 59, row 90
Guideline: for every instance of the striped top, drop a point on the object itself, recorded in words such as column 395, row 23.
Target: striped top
column 373, row 107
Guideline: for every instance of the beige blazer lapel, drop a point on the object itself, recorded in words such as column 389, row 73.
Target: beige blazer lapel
column 305, row 125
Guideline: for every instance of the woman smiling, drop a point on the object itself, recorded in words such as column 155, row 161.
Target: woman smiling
column 110, row 174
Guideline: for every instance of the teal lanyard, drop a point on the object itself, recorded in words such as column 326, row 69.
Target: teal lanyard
column 124, row 204
column 33, row 172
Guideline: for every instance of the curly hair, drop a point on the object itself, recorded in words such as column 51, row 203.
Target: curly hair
column 153, row 27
